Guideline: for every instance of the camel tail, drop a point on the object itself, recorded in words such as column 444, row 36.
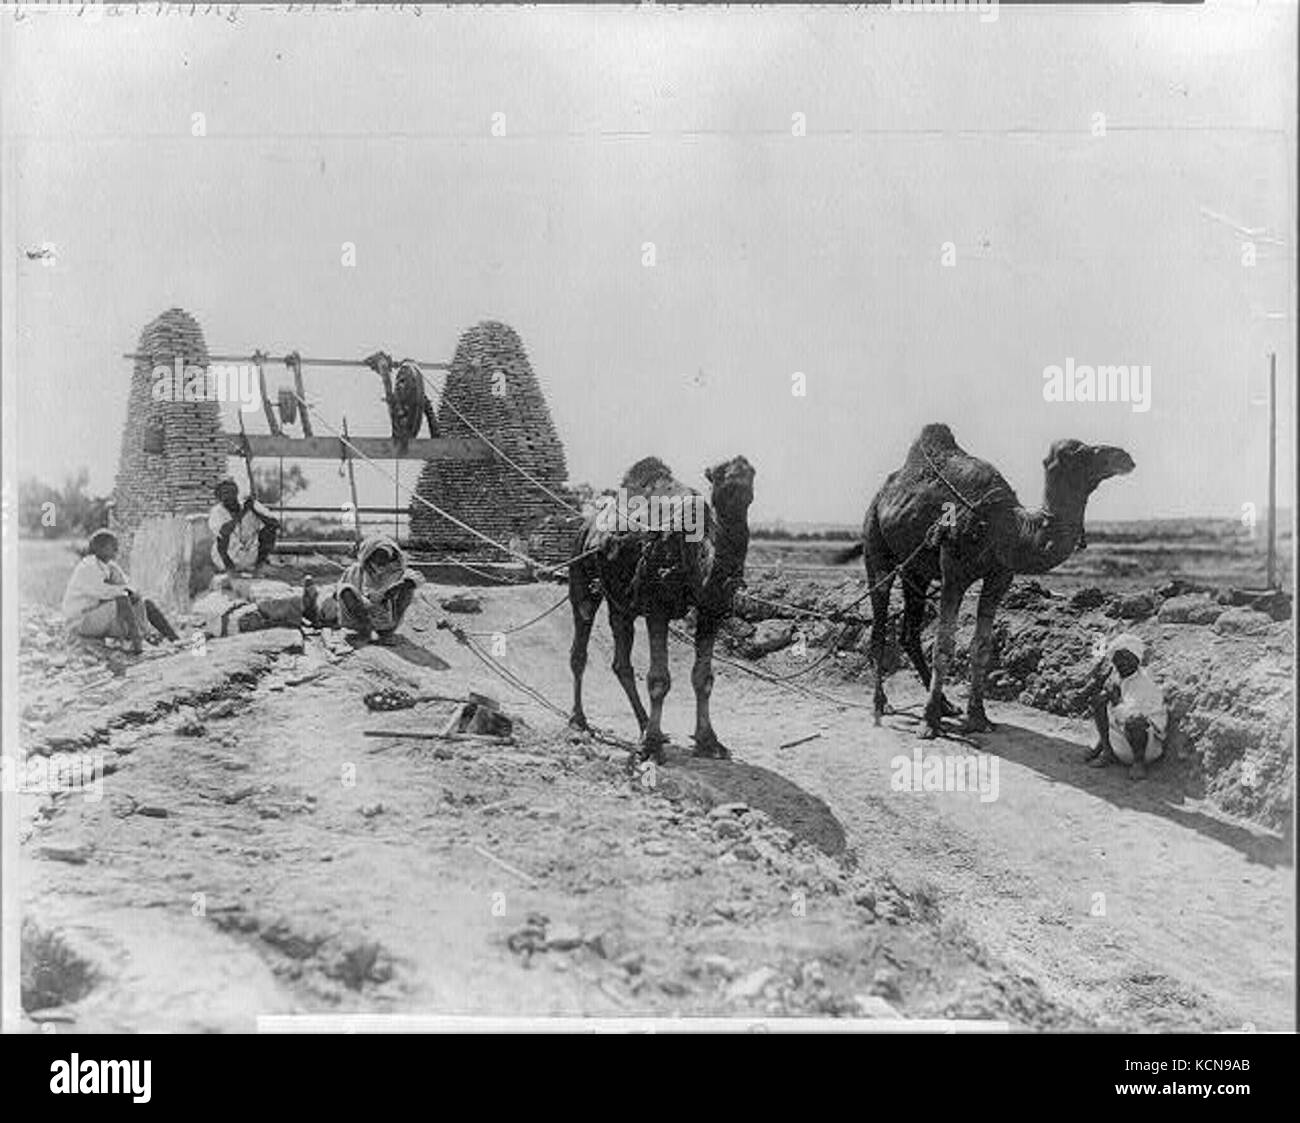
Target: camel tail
column 846, row 556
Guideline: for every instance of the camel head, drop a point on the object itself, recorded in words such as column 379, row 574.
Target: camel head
column 380, row 361
column 1074, row 469
column 733, row 486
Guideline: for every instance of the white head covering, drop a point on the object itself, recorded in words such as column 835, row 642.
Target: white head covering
column 1127, row 641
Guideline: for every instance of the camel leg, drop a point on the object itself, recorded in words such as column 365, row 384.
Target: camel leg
column 913, row 623
column 879, row 628
column 582, row 622
column 951, row 590
column 658, row 683
column 992, row 590
column 706, row 740
column 624, row 629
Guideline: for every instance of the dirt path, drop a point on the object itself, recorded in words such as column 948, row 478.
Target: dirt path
column 1196, row 924
column 254, row 853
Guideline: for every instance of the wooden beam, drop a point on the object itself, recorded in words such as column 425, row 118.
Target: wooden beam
column 377, row 448
column 341, row 363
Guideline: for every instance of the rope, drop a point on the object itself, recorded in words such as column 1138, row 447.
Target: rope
column 444, row 400
column 527, row 623
column 513, row 679
column 415, row 495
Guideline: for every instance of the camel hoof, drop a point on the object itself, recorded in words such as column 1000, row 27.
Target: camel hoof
column 578, row 723
column 652, row 748
column 977, row 724
column 711, row 748
column 930, row 732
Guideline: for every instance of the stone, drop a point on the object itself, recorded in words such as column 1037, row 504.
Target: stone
column 746, row 852
column 74, row 853
column 885, row 983
column 656, row 848
column 769, row 636
column 632, row 962
column 1083, row 600
column 461, row 602
column 727, row 810
column 1242, row 621
column 811, row 974
column 873, row 1006
column 1190, row 608
column 563, row 937
column 720, row 965
column 279, row 603
column 1136, row 606
column 752, row 985
column 170, row 560
column 728, row 828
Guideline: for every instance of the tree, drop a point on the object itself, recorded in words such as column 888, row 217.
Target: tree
column 267, row 481
column 53, row 513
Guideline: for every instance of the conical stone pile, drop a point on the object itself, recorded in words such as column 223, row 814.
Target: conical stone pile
column 492, row 384
column 172, row 452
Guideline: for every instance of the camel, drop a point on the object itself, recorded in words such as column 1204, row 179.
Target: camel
column 946, row 516
column 661, row 572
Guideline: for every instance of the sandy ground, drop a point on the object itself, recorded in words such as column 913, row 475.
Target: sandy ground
column 254, row 853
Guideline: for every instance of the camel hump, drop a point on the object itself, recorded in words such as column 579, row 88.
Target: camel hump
column 937, row 435
column 646, row 473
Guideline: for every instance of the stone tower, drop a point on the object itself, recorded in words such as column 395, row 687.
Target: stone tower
column 492, row 384
column 172, row 452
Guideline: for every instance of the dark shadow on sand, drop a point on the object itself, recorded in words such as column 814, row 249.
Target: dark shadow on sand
column 1163, row 792
column 805, row 816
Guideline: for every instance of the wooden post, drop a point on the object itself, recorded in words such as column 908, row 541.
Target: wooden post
column 271, row 419
column 1272, row 469
column 352, row 484
column 247, row 454
column 294, row 361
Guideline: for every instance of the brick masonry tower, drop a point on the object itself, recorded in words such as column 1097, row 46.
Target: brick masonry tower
column 172, row 451
column 492, row 384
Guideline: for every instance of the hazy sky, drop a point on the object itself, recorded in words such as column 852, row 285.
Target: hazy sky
column 774, row 253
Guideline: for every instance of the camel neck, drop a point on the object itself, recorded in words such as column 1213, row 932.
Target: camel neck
column 1044, row 538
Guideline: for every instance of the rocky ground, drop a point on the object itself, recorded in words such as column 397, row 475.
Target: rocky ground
column 255, row 852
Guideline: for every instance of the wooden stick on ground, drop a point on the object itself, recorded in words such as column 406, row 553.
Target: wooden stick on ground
column 505, row 865
column 800, row 741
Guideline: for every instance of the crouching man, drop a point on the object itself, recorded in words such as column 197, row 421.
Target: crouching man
column 99, row 602
column 371, row 596
column 243, row 534
column 1129, row 711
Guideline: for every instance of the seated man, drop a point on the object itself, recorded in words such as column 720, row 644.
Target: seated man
column 1129, row 711
column 372, row 595
column 99, row 602
column 243, row 533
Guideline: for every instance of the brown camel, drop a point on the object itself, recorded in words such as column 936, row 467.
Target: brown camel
column 946, row 516
column 660, row 568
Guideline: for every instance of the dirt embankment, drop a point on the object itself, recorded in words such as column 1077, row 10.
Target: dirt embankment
column 1227, row 666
